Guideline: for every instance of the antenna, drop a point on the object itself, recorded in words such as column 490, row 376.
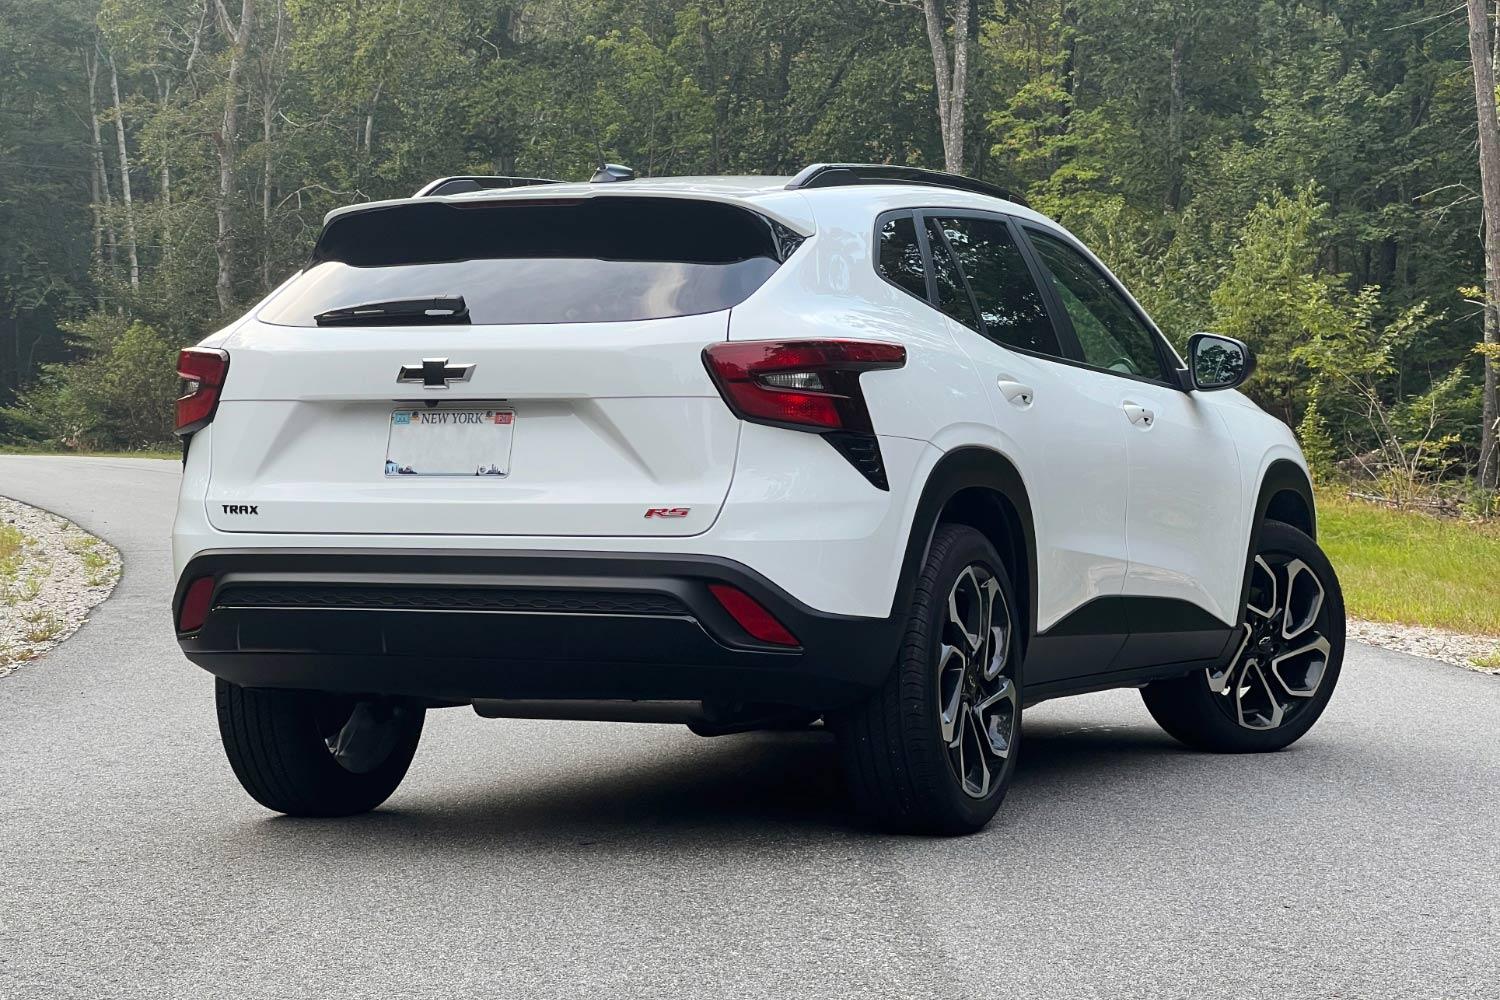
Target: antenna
column 608, row 173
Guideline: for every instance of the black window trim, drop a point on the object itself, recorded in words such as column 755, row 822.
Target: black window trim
column 1062, row 325
column 1165, row 356
column 1066, row 342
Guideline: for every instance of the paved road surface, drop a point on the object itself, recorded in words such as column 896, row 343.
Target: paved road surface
column 589, row 860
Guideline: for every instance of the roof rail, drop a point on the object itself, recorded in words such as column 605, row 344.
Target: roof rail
column 458, row 185
column 821, row 175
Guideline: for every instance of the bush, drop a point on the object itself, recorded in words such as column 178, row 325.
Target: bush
column 117, row 396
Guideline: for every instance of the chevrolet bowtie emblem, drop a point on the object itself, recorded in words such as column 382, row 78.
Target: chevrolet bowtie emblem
column 434, row 373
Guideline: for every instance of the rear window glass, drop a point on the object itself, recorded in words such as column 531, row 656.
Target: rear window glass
column 592, row 260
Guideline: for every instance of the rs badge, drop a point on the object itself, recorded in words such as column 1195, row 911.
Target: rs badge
column 668, row 511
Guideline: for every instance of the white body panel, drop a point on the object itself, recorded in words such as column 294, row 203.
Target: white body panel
column 611, row 421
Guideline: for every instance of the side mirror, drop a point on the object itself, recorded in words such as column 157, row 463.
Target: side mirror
column 1217, row 362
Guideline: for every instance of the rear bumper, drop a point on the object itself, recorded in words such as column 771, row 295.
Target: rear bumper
column 453, row 626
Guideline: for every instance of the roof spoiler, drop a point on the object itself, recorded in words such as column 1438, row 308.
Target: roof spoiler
column 458, row 185
column 825, row 175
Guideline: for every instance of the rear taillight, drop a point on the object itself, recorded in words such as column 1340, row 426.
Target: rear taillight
column 202, row 370
column 194, row 607
column 810, row 385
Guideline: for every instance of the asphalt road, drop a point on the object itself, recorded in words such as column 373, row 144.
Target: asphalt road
column 527, row 859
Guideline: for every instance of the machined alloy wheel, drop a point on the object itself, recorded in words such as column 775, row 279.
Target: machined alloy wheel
column 933, row 750
column 1283, row 650
column 978, row 709
column 1283, row 663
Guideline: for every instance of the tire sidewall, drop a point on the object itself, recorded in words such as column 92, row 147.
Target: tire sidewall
column 969, row 547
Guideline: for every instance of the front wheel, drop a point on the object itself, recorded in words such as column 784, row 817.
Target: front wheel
column 933, row 751
column 310, row 753
column 1288, row 651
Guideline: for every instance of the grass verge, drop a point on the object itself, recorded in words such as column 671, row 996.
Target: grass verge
column 170, row 453
column 1411, row 568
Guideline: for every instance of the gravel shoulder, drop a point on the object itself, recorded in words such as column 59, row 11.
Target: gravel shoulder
column 52, row 574
column 1475, row 652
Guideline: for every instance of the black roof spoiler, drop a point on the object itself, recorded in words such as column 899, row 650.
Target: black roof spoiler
column 458, row 185
column 825, row 175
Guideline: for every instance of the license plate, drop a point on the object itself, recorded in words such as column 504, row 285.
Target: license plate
column 440, row 441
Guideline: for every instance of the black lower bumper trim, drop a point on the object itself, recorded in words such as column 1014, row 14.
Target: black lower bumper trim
column 455, row 626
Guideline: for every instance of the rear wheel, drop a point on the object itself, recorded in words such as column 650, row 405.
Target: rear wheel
column 1286, row 662
column 933, row 751
column 309, row 753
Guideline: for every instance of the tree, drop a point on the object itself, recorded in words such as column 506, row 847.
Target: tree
column 950, row 70
column 226, row 144
column 1482, row 59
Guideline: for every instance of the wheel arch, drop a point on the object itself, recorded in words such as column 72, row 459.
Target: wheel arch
column 983, row 489
column 1286, row 496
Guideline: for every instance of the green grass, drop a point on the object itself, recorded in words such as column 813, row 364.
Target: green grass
column 1408, row 567
column 171, row 453
column 12, row 552
column 96, row 561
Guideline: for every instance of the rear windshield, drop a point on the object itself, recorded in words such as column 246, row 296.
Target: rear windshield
column 591, row 260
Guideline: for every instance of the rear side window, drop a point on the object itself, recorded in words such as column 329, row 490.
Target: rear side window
column 1008, row 299
column 588, row 260
column 953, row 298
column 900, row 260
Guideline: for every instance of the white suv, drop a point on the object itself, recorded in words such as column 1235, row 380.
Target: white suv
column 874, row 445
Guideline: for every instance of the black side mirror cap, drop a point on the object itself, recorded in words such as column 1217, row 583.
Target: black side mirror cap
column 1216, row 362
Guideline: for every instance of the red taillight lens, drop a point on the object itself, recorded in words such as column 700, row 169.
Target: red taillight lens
column 752, row 617
column 802, row 384
column 194, row 607
column 202, row 370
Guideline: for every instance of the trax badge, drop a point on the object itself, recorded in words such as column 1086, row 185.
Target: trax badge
column 241, row 508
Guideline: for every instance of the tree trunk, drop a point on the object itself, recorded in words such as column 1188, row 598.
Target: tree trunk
column 1177, row 102
column 239, row 36
column 1489, row 174
column 953, row 85
column 99, row 182
column 267, row 116
column 130, row 243
column 164, row 98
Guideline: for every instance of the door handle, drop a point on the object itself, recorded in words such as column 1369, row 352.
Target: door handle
column 1015, row 393
column 1138, row 414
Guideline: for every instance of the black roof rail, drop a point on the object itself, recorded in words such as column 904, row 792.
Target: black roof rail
column 822, row 175
column 458, row 185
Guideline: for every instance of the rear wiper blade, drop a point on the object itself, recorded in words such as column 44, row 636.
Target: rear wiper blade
column 439, row 309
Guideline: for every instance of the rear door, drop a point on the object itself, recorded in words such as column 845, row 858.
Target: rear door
column 571, row 399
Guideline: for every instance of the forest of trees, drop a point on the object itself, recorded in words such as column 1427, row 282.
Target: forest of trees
column 1302, row 174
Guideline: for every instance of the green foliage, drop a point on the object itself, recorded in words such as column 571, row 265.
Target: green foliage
column 117, row 395
column 1273, row 297
column 1260, row 169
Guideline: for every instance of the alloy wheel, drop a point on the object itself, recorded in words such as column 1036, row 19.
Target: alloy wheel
column 1283, row 651
column 978, row 705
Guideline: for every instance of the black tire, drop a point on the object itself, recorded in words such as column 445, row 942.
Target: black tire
column 1193, row 712
column 278, row 744
column 900, row 768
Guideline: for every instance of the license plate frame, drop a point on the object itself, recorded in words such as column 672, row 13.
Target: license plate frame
column 471, row 441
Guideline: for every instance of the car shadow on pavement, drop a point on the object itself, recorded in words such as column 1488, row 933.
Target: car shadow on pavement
column 734, row 788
